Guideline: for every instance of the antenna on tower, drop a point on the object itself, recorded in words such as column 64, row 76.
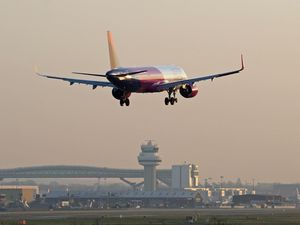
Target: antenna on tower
column 253, row 186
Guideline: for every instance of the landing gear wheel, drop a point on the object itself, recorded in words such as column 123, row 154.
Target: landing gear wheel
column 167, row 101
column 172, row 100
column 121, row 102
column 127, row 102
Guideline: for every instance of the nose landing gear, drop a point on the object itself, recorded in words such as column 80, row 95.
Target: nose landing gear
column 171, row 99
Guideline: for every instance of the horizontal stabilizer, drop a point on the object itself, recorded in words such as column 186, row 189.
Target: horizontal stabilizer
column 130, row 73
column 118, row 75
column 90, row 74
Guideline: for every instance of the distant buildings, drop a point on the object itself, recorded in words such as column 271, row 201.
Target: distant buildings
column 11, row 193
column 258, row 199
column 180, row 187
column 185, row 176
column 128, row 199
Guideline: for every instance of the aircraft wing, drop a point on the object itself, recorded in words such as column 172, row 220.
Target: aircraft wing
column 72, row 81
column 175, row 84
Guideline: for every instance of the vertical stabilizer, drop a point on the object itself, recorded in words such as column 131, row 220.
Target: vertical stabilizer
column 114, row 62
column 298, row 196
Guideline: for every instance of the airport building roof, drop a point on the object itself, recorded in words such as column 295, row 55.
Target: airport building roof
column 127, row 194
column 250, row 198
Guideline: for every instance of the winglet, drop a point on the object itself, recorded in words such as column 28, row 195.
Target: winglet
column 36, row 70
column 242, row 62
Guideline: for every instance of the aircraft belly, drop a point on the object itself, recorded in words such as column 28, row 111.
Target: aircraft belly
column 131, row 85
column 149, row 85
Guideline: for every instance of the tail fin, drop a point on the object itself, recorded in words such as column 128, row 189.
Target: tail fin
column 114, row 62
column 298, row 196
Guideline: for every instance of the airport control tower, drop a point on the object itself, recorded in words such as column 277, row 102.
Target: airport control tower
column 149, row 159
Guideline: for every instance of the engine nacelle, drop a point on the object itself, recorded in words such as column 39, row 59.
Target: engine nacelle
column 119, row 94
column 188, row 91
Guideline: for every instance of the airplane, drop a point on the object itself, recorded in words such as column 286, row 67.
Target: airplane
column 149, row 79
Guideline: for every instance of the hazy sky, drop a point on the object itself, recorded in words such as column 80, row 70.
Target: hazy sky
column 244, row 126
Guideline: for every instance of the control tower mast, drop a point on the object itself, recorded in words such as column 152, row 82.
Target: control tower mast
column 149, row 159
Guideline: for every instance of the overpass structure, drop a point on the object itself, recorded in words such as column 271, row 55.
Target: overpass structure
column 60, row 171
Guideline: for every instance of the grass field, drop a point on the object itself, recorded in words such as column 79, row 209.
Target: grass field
column 155, row 216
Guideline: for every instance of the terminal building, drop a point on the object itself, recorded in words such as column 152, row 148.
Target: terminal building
column 19, row 192
column 126, row 199
column 182, row 176
column 181, row 186
column 259, row 199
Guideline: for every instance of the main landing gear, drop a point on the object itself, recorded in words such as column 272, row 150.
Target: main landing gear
column 171, row 99
column 124, row 102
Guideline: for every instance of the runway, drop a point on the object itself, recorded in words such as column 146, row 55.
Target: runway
column 111, row 213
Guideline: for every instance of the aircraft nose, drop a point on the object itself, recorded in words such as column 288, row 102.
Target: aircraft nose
column 109, row 73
